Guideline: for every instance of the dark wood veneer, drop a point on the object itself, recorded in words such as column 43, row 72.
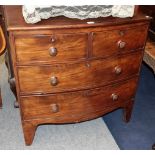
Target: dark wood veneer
column 67, row 46
column 76, row 76
column 68, row 71
column 75, row 106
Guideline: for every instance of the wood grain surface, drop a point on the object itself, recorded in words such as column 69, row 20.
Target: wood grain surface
column 68, row 71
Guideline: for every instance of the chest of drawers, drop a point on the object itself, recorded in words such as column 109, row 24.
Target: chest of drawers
column 68, row 71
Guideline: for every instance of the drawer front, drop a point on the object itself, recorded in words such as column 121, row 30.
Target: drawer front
column 107, row 43
column 78, row 106
column 46, row 48
column 69, row 77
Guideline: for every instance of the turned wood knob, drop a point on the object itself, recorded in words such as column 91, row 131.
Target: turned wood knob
column 54, row 108
column 121, row 44
column 53, row 51
column 114, row 97
column 53, row 39
column 54, row 81
column 118, row 70
column 121, row 32
column 88, row 65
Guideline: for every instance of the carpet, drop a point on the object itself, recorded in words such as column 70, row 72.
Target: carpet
column 90, row 135
column 139, row 133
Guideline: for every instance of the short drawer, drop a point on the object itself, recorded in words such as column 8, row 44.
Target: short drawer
column 76, row 76
column 78, row 106
column 119, row 41
column 46, row 48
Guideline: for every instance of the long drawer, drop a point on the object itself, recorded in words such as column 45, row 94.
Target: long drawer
column 76, row 76
column 80, row 105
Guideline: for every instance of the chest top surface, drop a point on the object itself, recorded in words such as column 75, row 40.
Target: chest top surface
column 15, row 21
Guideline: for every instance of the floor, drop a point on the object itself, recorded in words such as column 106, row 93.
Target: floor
column 90, row 135
column 139, row 133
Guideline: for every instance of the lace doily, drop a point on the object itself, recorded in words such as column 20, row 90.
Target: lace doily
column 34, row 14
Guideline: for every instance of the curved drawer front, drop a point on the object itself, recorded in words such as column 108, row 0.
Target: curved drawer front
column 46, row 48
column 107, row 43
column 78, row 106
column 69, row 77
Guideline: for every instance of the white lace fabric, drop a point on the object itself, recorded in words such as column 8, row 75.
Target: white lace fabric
column 34, row 14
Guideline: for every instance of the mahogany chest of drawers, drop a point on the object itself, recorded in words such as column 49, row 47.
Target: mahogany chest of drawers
column 69, row 71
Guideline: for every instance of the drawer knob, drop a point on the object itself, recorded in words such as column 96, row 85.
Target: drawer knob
column 88, row 65
column 54, row 108
column 121, row 44
column 53, row 51
column 54, row 81
column 122, row 33
column 53, row 39
column 118, row 70
column 114, row 97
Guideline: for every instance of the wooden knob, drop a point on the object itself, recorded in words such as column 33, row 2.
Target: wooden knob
column 54, row 81
column 88, row 65
column 114, row 97
column 53, row 51
column 54, row 108
column 118, row 70
column 121, row 44
column 53, row 39
column 121, row 33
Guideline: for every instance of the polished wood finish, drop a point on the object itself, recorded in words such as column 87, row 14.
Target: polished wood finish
column 149, row 10
column 15, row 22
column 115, row 39
column 29, row 131
column 37, row 79
column 8, row 60
column 67, row 46
column 69, row 108
column 2, row 41
column 68, row 71
column 2, row 48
